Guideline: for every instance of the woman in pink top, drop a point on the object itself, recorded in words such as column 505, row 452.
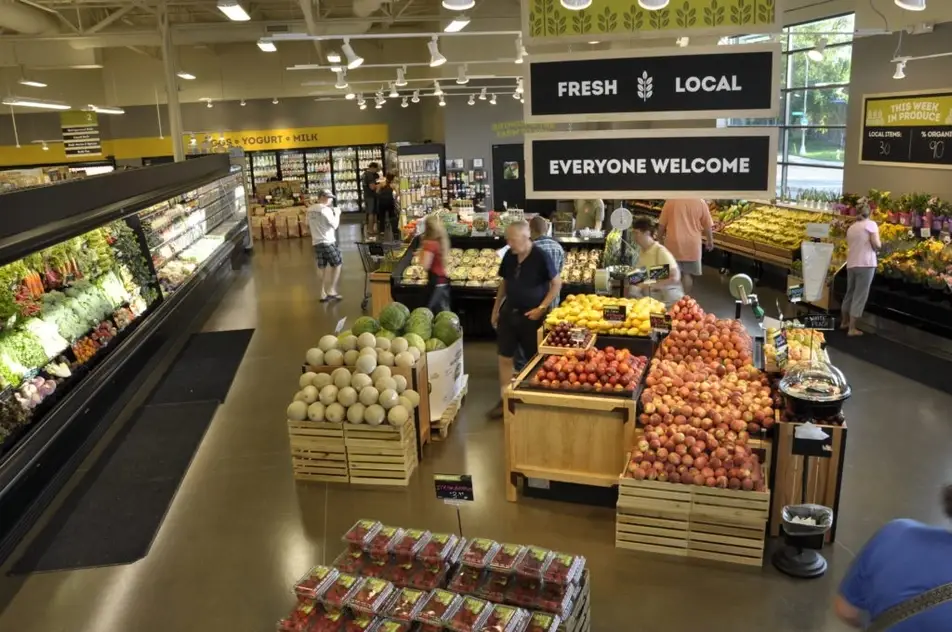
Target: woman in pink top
column 862, row 241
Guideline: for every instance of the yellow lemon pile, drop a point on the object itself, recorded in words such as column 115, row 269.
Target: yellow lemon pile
column 587, row 310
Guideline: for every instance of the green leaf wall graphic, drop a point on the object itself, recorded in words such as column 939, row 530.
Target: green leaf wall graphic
column 548, row 18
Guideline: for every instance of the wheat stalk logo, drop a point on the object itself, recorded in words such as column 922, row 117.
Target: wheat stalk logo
column 645, row 86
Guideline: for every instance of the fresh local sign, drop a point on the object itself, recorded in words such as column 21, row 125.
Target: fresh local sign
column 674, row 83
column 648, row 164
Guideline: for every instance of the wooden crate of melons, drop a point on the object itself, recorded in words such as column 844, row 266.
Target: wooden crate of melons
column 381, row 455
column 723, row 525
column 318, row 452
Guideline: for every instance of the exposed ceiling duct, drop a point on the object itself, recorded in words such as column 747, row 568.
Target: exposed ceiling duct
column 21, row 18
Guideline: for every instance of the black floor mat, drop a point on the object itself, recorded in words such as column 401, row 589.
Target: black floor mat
column 205, row 368
column 114, row 513
column 916, row 365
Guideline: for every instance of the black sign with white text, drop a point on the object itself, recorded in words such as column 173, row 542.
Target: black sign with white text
column 662, row 84
column 721, row 163
column 908, row 129
column 454, row 487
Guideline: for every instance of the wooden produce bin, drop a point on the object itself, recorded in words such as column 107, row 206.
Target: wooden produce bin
column 824, row 472
column 380, row 455
column 416, row 377
column 567, row 437
column 318, row 452
column 380, row 295
column 722, row 525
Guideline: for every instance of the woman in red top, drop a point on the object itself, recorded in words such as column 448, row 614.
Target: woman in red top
column 433, row 257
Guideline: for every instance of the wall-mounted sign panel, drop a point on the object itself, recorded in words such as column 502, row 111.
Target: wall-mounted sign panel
column 659, row 84
column 80, row 134
column 547, row 21
column 650, row 164
column 907, row 129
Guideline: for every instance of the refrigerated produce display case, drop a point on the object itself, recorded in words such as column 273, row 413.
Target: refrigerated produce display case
column 88, row 299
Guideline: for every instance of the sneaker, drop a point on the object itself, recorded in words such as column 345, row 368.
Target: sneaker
column 496, row 413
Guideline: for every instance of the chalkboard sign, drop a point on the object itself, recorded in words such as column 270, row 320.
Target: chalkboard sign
column 615, row 313
column 780, row 343
column 795, row 293
column 908, row 129
column 660, row 322
column 455, row 487
column 659, row 273
column 820, row 322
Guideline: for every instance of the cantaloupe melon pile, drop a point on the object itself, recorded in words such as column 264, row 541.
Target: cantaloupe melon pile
column 368, row 393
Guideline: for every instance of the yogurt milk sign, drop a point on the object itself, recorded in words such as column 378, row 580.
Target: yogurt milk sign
column 654, row 84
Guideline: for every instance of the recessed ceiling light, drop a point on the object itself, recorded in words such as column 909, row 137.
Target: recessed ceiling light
column 267, row 46
column 457, row 25
column 353, row 59
column 436, row 57
column 185, row 75
column 233, row 11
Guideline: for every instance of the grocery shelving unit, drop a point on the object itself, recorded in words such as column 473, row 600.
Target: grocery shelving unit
column 41, row 451
column 467, row 184
column 317, row 163
column 422, row 178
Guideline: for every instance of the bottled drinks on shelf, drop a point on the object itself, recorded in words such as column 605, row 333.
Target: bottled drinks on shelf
column 420, row 187
column 470, row 185
column 318, row 165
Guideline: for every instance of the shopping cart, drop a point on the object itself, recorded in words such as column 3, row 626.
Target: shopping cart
column 377, row 256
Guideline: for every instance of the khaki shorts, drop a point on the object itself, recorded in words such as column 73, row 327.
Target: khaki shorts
column 690, row 267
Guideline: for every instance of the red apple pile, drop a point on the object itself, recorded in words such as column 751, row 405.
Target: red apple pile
column 595, row 370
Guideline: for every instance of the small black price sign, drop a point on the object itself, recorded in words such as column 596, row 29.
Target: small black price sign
column 660, row 322
column 780, row 343
column 454, row 487
column 615, row 313
column 637, row 275
column 659, row 273
column 820, row 322
column 795, row 293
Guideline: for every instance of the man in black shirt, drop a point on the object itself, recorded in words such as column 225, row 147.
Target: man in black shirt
column 368, row 181
column 530, row 283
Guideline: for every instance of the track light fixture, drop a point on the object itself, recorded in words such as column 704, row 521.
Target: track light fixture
column 361, row 102
column 910, row 5
column 379, row 104
column 461, row 77
column 416, row 96
column 519, row 85
column 900, row 70
column 350, row 94
column 275, row 101
column 578, row 5
column 404, row 103
column 442, row 102
column 653, row 5
column 45, row 146
column 208, row 104
column 401, row 77
column 520, row 49
column 393, row 92
column 437, row 90
column 492, row 100
column 436, row 57
column 341, row 80
column 482, row 94
column 353, row 59
column 515, row 95
column 242, row 103
column 472, row 99
column 816, row 53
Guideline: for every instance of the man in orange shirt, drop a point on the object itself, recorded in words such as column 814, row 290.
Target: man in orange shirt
column 683, row 226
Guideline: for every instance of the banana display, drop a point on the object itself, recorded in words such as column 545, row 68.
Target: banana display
column 780, row 227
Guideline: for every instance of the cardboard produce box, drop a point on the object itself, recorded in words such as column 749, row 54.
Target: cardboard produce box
column 445, row 373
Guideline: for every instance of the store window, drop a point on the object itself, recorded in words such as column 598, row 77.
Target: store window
column 813, row 104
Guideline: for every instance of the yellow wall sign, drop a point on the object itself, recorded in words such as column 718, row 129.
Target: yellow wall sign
column 910, row 111
column 549, row 20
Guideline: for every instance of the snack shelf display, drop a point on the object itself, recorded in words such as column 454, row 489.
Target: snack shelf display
column 395, row 579
column 422, row 179
column 81, row 299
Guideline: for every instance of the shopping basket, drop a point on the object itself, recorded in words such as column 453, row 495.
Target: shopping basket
column 375, row 255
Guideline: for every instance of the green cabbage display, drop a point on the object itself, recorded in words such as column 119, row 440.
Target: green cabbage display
column 415, row 341
column 420, row 325
column 365, row 324
column 394, row 317
column 446, row 331
column 435, row 344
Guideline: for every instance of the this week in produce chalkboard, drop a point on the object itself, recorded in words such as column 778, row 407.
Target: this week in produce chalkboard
column 908, row 130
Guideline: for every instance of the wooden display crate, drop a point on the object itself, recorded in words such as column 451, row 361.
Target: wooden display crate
column 440, row 430
column 723, row 525
column 317, row 451
column 380, row 455
column 824, row 473
column 551, row 350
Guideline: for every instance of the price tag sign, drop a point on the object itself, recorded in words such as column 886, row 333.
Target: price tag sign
column 659, row 273
column 780, row 343
column 818, row 231
column 925, row 232
column 637, row 275
column 795, row 293
column 454, row 487
column 340, row 325
column 577, row 335
column 660, row 322
column 820, row 322
column 615, row 313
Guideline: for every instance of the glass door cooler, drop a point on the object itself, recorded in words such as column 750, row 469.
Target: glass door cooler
column 346, row 178
column 292, row 166
column 318, row 165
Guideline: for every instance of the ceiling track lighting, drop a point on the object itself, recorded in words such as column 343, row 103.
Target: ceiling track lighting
column 401, row 78
column 458, row 5
column 233, row 11
column 353, row 59
column 185, row 75
column 436, row 57
column 461, row 77
column 40, row 104
column 442, row 101
column 911, row 5
column 519, row 85
column 45, row 146
column 32, row 83
column 242, row 103
column 900, row 70
column 393, row 92
column 492, row 100
column 457, row 24
column 209, row 104
column 104, row 109
column 520, row 49
column 653, row 5
column 341, row 83
column 578, row 5
column 472, row 99
column 404, row 103
column 816, row 53
column 437, row 90
column 515, row 95
column 350, row 94
column 482, row 94
column 416, row 96
column 275, row 101
column 267, row 46
column 333, row 58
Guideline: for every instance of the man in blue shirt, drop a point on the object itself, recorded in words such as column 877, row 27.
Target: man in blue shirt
column 904, row 560
column 530, row 283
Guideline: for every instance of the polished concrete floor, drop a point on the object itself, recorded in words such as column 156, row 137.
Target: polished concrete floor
column 240, row 530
